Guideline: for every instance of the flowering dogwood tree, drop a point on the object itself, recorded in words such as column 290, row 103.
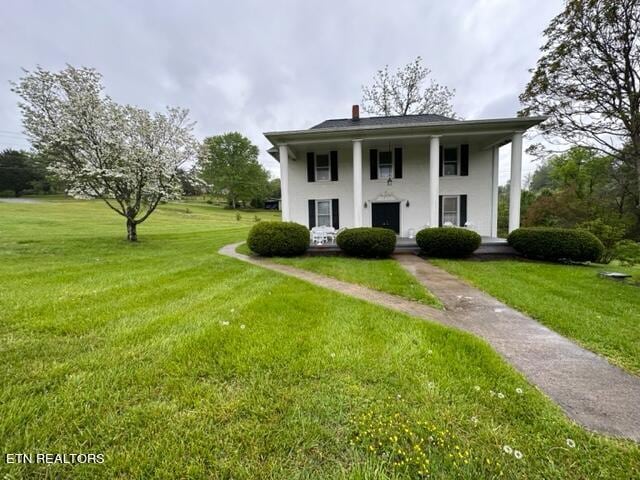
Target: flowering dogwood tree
column 121, row 154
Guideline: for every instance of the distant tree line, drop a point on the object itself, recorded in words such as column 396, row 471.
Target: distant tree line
column 25, row 173
column 227, row 169
column 579, row 188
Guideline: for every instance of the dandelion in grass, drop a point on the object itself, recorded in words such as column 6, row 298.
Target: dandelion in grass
column 507, row 449
column 500, row 395
column 333, row 355
column 517, row 454
column 474, row 419
column 477, row 388
column 224, row 323
column 429, row 351
column 571, row 443
column 242, row 327
column 519, row 391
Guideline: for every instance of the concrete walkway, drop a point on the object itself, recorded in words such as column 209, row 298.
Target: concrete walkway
column 374, row 296
column 592, row 392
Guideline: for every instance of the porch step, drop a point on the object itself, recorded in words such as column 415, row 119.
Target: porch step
column 488, row 248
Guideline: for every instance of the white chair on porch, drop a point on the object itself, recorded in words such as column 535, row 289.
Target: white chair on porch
column 321, row 235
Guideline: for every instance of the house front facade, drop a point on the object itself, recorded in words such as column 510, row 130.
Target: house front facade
column 404, row 172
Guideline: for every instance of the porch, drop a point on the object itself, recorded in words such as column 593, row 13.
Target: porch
column 489, row 246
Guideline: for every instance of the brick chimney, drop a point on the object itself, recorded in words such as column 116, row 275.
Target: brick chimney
column 355, row 112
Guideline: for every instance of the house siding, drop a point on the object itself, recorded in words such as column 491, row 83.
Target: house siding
column 412, row 187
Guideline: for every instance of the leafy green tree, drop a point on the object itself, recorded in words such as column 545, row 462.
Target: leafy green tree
column 526, row 198
column 229, row 164
column 587, row 81
column 274, row 188
column 19, row 171
column 191, row 184
column 580, row 188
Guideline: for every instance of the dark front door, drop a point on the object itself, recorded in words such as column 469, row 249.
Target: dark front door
column 386, row 215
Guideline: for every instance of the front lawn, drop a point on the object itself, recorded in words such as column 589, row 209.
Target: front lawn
column 385, row 275
column 176, row 362
column 601, row 314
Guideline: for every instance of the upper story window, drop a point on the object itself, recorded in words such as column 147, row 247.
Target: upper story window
column 450, row 161
column 385, row 165
column 323, row 167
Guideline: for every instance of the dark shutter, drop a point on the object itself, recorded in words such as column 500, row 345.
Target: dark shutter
column 312, row 214
column 463, row 210
column 440, row 211
column 397, row 168
column 334, row 165
column 335, row 213
column 311, row 168
column 464, row 160
column 441, row 160
column 373, row 164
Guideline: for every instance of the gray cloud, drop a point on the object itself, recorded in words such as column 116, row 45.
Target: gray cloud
column 255, row 66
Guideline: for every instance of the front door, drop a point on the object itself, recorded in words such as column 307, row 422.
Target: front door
column 386, row 215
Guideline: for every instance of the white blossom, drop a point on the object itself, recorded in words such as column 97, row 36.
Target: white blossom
column 121, row 154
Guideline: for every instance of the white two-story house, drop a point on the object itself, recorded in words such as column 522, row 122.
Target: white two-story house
column 402, row 172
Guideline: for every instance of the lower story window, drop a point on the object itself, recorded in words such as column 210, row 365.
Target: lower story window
column 323, row 213
column 450, row 210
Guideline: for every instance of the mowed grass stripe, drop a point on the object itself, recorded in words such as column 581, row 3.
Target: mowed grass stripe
column 146, row 372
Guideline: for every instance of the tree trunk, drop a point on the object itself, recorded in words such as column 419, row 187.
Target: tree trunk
column 132, row 234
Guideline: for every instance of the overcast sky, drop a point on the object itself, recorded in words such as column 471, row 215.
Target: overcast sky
column 256, row 66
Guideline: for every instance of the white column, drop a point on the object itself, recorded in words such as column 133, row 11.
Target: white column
column 495, row 170
column 516, row 181
column 434, row 181
column 284, row 181
column 357, row 183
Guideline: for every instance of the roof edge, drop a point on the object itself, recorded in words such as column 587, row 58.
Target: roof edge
column 531, row 121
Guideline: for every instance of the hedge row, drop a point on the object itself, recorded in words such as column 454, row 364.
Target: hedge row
column 286, row 239
column 367, row 242
column 556, row 244
column 278, row 239
column 447, row 242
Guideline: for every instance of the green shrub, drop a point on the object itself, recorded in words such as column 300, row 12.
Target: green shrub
column 447, row 242
column 367, row 242
column 555, row 244
column 278, row 239
column 609, row 233
column 627, row 251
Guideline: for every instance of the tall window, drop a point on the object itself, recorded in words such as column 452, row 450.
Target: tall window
column 323, row 213
column 323, row 167
column 450, row 210
column 450, row 161
column 385, row 165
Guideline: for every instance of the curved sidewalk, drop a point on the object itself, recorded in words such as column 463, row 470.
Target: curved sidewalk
column 591, row 391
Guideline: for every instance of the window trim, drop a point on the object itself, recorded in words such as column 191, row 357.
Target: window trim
column 330, row 202
column 444, row 170
column 457, row 197
column 315, row 166
column 393, row 163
